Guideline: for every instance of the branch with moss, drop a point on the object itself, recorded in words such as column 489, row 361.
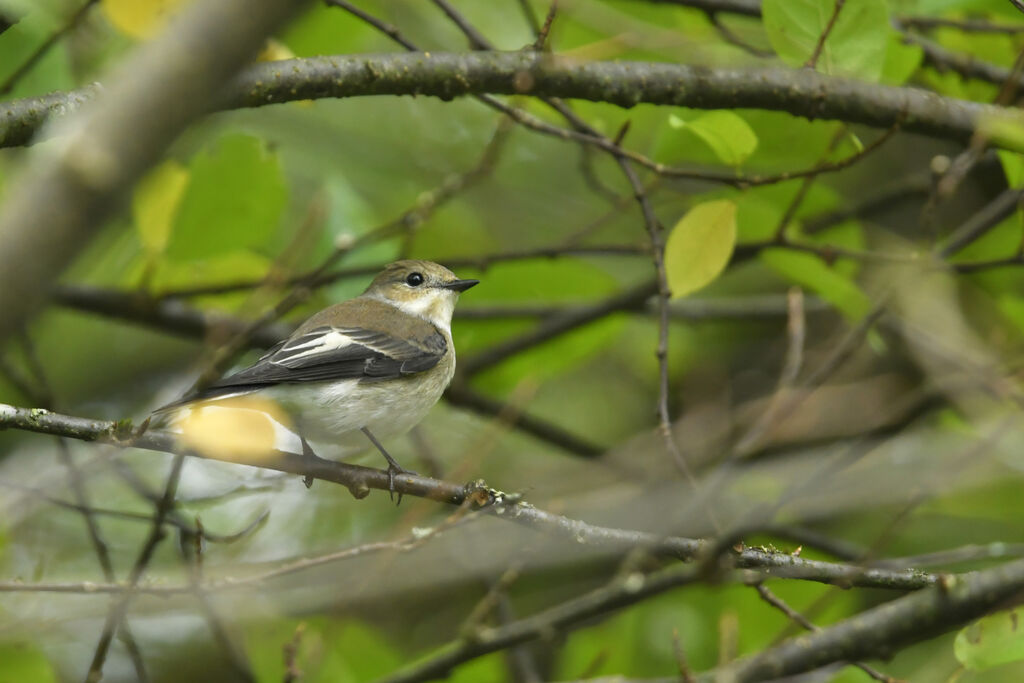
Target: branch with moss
column 448, row 75
column 361, row 480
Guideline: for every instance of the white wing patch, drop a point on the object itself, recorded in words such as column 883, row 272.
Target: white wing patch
column 323, row 340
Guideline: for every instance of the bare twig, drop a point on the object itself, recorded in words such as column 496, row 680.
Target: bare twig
column 812, row 61
column 729, row 36
column 550, row 328
column 965, row 25
column 360, row 480
column 44, row 47
column 45, row 397
column 795, row 616
column 118, row 610
column 233, row 653
column 476, row 39
column 684, row 667
column 952, row 602
column 545, row 30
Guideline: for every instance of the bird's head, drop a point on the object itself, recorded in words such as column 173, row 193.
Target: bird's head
column 422, row 288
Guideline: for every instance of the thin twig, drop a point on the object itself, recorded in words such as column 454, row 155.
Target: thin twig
column 820, row 45
column 632, row 298
column 361, row 480
column 476, row 39
column 729, row 36
column 795, row 616
column 965, row 25
column 542, row 35
column 233, row 653
column 118, row 610
column 44, row 47
column 531, row 18
column 45, row 396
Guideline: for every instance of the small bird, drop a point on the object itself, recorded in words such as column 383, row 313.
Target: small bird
column 367, row 368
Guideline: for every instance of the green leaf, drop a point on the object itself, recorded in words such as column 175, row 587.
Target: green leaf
column 567, row 282
column 1013, row 167
column 19, row 42
column 1006, row 131
column 848, row 234
column 328, row 650
column 991, row 641
column 809, row 271
column 726, row 133
column 23, row 662
column 901, row 60
column 856, row 45
column 1012, row 307
column 140, row 19
column 225, row 268
column 155, row 204
column 234, row 199
column 700, row 246
column 490, row 668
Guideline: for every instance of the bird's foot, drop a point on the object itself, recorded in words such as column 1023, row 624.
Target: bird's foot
column 393, row 466
column 307, row 451
column 394, row 469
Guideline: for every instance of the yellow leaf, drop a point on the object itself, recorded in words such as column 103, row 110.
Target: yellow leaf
column 274, row 51
column 141, row 18
column 244, row 429
column 700, row 246
column 155, row 204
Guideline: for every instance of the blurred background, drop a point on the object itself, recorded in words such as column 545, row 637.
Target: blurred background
column 842, row 348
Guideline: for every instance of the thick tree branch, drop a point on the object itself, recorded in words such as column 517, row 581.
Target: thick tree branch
column 446, row 75
column 169, row 315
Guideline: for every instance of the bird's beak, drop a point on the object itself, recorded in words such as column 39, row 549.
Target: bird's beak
column 460, row 285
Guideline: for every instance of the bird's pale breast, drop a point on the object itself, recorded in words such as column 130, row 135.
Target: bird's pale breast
column 330, row 414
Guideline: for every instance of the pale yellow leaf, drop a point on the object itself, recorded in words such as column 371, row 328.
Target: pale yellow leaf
column 141, row 18
column 244, row 429
column 700, row 246
column 274, row 51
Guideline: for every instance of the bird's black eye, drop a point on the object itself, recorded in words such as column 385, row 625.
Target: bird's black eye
column 414, row 279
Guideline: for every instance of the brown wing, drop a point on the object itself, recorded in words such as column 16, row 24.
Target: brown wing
column 355, row 346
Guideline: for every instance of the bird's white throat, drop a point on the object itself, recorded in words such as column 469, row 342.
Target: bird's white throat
column 434, row 306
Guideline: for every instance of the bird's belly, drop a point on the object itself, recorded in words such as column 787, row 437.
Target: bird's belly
column 331, row 414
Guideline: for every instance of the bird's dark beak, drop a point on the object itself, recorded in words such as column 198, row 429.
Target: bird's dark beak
column 460, row 285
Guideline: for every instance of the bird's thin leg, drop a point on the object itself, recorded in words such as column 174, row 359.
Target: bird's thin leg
column 307, row 451
column 393, row 466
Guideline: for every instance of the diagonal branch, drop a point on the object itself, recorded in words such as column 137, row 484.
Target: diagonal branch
column 66, row 191
column 952, row 602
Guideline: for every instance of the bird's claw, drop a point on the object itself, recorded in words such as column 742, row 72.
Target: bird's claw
column 394, row 469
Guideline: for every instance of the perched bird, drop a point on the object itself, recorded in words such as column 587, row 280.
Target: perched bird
column 367, row 368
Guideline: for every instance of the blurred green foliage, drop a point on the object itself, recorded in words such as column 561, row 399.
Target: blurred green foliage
column 260, row 196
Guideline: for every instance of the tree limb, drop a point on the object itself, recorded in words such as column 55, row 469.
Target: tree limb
column 445, row 75
column 877, row 632
column 359, row 480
